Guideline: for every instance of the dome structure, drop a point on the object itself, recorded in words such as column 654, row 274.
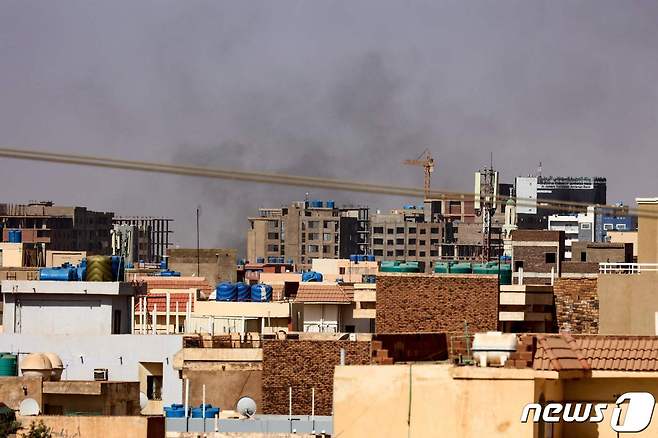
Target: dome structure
column 36, row 365
column 57, row 366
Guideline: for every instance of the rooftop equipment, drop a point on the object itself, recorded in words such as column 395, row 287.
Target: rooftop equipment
column 493, row 347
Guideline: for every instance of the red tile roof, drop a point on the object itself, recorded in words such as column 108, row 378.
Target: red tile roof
column 596, row 352
column 309, row 292
column 154, row 282
column 159, row 302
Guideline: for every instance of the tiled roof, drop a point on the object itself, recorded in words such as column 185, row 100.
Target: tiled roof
column 620, row 353
column 321, row 293
column 154, row 282
column 159, row 302
column 596, row 352
column 558, row 353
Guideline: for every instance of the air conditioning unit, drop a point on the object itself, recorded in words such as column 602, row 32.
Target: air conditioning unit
column 100, row 374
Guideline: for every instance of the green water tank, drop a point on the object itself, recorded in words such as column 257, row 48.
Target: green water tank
column 441, row 267
column 8, row 364
column 461, row 268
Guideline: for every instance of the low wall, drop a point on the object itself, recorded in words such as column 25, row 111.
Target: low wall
column 106, row 427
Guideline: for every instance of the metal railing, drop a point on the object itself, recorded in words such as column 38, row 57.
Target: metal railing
column 627, row 268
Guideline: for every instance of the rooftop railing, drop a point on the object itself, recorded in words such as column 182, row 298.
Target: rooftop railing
column 627, row 268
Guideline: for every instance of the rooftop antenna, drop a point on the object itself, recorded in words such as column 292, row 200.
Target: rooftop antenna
column 539, row 169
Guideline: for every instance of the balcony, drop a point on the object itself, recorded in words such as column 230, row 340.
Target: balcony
column 627, row 268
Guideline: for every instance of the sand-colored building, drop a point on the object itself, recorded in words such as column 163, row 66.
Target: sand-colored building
column 420, row 399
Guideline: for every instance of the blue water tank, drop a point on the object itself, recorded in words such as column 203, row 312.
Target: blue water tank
column 163, row 264
column 331, row 203
column 370, row 257
column 15, row 236
column 210, row 412
column 117, row 268
column 354, row 258
column 409, row 207
column 282, row 260
column 316, row 203
column 169, row 273
column 62, row 273
column 82, row 270
column 226, row 292
column 311, row 276
column 260, row 260
column 361, row 257
column 174, row 412
column 243, row 291
column 261, row 292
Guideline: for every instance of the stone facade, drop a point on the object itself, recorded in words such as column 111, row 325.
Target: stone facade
column 304, row 365
column 577, row 305
column 408, row 303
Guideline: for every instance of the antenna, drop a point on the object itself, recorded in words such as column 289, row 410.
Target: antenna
column 539, row 169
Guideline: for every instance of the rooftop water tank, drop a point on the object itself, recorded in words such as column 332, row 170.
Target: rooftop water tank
column 99, row 268
column 8, row 364
column 243, row 291
column 260, row 259
column 261, row 293
column 354, row 258
column 57, row 366
column 226, row 292
column 461, row 268
column 59, row 273
column 311, row 276
column 493, row 347
column 331, row 203
column 370, row 257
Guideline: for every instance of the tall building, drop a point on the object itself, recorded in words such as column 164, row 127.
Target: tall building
column 578, row 227
column 306, row 230
column 533, row 191
column 45, row 226
column 618, row 219
column 141, row 238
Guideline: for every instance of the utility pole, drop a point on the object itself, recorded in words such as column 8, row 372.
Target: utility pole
column 198, row 243
column 486, row 194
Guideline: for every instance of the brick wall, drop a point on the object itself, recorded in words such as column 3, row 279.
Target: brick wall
column 409, row 303
column 534, row 258
column 304, row 365
column 577, row 305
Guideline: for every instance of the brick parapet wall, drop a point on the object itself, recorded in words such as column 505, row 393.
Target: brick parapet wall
column 304, row 365
column 408, row 303
column 577, row 305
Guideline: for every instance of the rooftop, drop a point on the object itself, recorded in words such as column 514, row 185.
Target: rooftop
column 67, row 287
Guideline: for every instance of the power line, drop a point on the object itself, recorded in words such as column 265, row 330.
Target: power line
column 299, row 181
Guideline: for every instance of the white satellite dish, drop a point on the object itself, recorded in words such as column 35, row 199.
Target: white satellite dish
column 246, row 406
column 29, row 406
column 143, row 401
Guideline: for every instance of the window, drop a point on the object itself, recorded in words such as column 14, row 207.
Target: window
column 154, row 387
column 421, row 242
column 434, row 253
column 434, row 241
column 273, row 236
column 620, row 226
column 378, row 241
column 341, row 270
column 608, row 227
column 312, row 236
column 412, row 230
column 399, row 230
column 421, row 254
column 412, row 253
column 434, row 230
column 389, row 253
column 350, row 328
column 326, row 249
column 312, row 225
column 586, row 226
column 550, row 257
column 399, row 252
column 326, row 224
column 312, row 248
column 378, row 252
column 390, row 231
column 518, row 265
column 378, row 230
column 390, row 242
column 423, row 231
column 399, row 241
column 326, row 237
column 273, row 248
column 583, row 256
column 116, row 323
column 412, row 241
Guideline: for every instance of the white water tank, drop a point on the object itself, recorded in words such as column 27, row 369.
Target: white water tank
column 493, row 348
column 36, row 365
column 58, row 366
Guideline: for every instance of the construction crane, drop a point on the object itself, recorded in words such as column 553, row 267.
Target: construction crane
column 426, row 161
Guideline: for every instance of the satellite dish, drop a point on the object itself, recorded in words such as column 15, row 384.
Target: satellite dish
column 29, row 406
column 143, row 401
column 246, row 406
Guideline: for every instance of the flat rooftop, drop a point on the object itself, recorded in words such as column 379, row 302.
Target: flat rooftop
column 67, row 287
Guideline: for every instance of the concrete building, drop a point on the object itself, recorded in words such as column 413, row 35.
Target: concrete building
column 578, row 227
column 46, row 226
column 614, row 220
column 145, row 359
column 474, row 402
column 624, row 237
column 532, row 190
column 141, row 238
column 525, row 308
column 214, row 264
column 66, row 307
column 307, row 230
column 537, row 256
column 345, row 270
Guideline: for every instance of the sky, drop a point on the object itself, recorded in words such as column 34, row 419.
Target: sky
column 336, row 89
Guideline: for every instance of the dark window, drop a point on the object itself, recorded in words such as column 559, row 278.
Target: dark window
column 434, row 230
column 583, row 256
column 350, row 329
column 378, row 241
column 412, row 231
column 389, row 253
column 412, row 241
column 423, row 231
column 399, row 252
column 421, row 254
column 518, row 264
column 390, row 231
column 399, row 230
column 154, row 387
column 412, row 253
column 378, row 230
column 116, row 322
column 389, row 242
column 550, row 257
column 378, row 252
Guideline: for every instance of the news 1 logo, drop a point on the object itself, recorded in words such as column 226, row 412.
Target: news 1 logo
column 637, row 418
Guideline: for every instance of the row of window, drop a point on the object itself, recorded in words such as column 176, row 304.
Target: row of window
column 401, row 253
column 400, row 230
column 401, row 241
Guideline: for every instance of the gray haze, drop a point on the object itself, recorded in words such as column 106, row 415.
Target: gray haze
column 336, row 89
